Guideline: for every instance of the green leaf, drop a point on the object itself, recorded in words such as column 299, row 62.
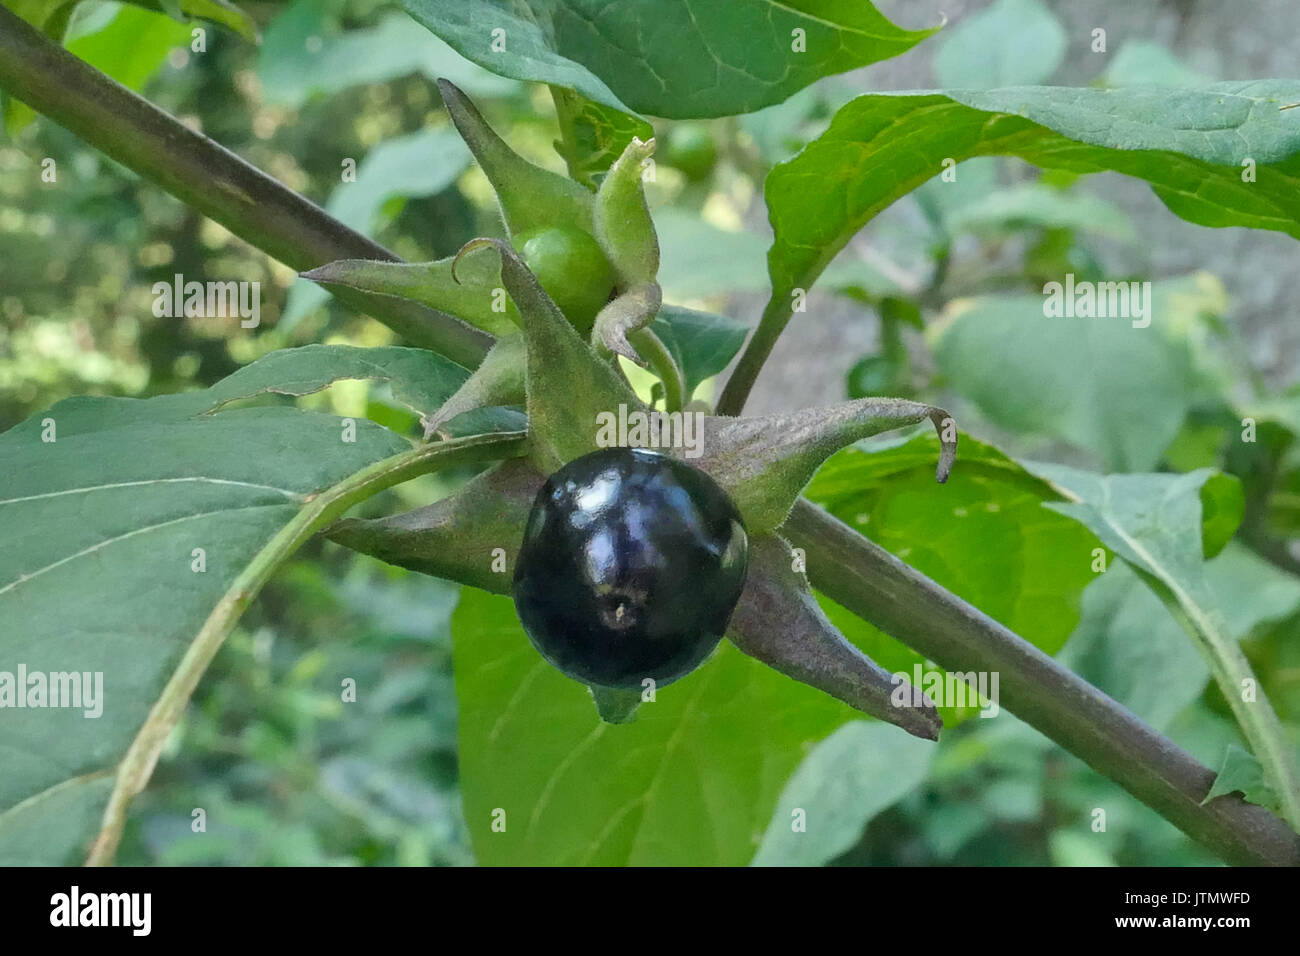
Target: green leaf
column 1139, row 63
column 1103, row 383
column 594, row 134
column 699, row 259
column 856, row 772
column 132, row 46
column 215, row 11
column 1011, row 43
column 1189, row 144
column 306, row 53
column 984, row 535
column 692, row 781
column 701, row 343
column 1154, row 523
column 1040, row 206
column 1127, row 634
column 681, row 61
column 420, row 164
column 1242, row 773
column 1251, row 591
column 101, row 574
column 419, row 379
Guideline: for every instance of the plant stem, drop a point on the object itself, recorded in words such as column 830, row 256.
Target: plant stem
column 137, row 764
column 653, row 350
column 198, row 171
column 775, row 317
column 904, row 603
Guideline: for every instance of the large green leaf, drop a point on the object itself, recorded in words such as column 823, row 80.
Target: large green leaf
column 678, row 60
column 1154, row 522
column 846, row 780
column 1127, row 634
column 99, row 572
column 702, row 343
column 1010, row 43
column 1117, row 390
column 984, row 535
column 692, row 781
column 1189, row 144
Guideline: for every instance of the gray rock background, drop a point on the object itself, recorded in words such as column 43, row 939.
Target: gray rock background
column 1222, row 39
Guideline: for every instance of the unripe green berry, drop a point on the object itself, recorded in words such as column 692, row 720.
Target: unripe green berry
column 571, row 268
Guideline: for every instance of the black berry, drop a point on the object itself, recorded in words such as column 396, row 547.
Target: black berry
column 631, row 565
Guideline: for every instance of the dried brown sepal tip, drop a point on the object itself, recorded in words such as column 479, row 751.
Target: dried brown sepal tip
column 627, row 313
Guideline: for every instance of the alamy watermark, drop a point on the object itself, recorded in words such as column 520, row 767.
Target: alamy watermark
column 1098, row 300
column 216, row 300
column 947, row 689
column 133, row 911
column 638, row 429
column 83, row 690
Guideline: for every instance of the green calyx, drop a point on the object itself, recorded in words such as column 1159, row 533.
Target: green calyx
column 574, row 287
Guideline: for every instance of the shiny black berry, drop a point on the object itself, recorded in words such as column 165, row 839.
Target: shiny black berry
column 631, row 565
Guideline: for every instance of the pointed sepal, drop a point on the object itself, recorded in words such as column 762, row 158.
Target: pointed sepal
column 530, row 196
column 615, row 706
column 499, row 380
column 472, row 295
column 458, row 536
column 779, row 622
column 765, row 463
column 627, row 313
column 624, row 228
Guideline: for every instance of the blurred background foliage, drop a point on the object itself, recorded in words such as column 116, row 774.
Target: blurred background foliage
column 288, row 773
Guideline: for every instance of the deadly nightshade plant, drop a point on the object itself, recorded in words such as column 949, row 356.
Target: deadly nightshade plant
column 560, row 361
